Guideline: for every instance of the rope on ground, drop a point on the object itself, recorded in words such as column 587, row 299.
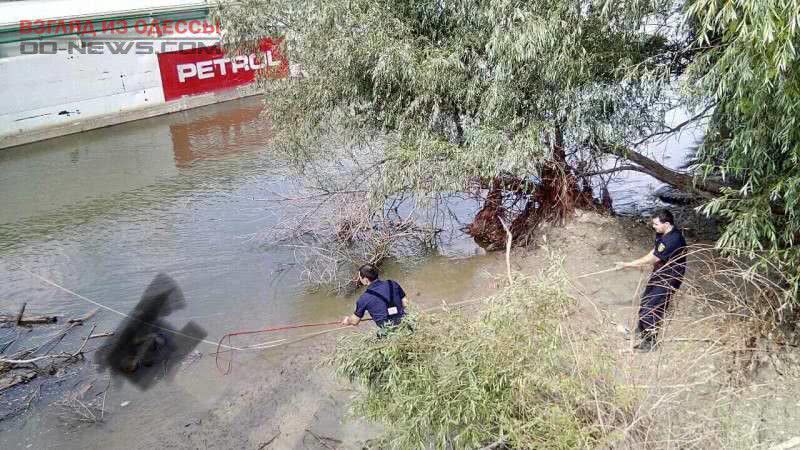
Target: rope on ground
column 613, row 269
column 226, row 369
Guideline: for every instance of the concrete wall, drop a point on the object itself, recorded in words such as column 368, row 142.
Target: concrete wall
column 61, row 89
column 100, row 121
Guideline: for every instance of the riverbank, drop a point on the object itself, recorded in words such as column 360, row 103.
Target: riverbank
column 288, row 397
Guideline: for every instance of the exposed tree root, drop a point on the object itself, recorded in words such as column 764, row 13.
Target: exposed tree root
column 525, row 205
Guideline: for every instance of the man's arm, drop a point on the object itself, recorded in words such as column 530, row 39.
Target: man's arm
column 358, row 314
column 646, row 260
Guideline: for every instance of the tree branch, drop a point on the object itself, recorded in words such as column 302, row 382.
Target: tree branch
column 676, row 128
column 613, row 170
column 685, row 182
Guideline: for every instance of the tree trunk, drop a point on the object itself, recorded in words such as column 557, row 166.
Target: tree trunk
column 682, row 181
column 486, row 228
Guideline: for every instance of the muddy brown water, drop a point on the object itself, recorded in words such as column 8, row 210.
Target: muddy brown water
column 102, row 212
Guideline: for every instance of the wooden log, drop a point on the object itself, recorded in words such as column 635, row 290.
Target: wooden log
column 39, row 320
column 29, row 320
column 22, row 362
column 20, row 319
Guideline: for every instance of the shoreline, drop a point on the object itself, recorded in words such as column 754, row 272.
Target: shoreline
column 288, row 398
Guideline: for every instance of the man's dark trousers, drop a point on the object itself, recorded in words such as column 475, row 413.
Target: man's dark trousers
column 654, row 304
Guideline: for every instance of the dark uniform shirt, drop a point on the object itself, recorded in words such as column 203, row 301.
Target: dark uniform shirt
column 670, row 249
column 379, row 307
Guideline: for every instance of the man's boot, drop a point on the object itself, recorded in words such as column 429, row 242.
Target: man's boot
column 628, row 335
column 648, row 343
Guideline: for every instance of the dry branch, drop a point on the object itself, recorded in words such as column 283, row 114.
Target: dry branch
column 13, row 379
column 85, row 318
column 324, row 440
column 21, row 313
column 101, row 335
column 20, row 320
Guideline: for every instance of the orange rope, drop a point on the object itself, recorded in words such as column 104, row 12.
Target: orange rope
column 227, row 369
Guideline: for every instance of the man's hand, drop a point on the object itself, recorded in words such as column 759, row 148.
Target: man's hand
column 619, row 265
column 351, row 320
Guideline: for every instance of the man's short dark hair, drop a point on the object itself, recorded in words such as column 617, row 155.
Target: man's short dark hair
column 664, row 215
column 369, row 272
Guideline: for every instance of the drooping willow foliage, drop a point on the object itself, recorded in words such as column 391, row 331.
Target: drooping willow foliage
column 456, row 89
column 430, row 94
column 749, row 65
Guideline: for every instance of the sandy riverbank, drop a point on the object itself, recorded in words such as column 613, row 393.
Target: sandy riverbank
column 286, row 398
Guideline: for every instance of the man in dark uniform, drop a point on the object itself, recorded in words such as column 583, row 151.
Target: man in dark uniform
column 384, row 300
column 668, row 258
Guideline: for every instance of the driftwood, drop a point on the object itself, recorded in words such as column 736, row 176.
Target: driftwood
column 20, row 320
column 80, row 320
column 101, row 335
column 32, row 361
column 21, row 312
column 35, row 320
column 23, row 364
column 75, row 408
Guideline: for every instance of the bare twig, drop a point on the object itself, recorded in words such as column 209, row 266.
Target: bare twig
column 20, row 320
column 680, row 126
column 85, row 340
column 322, row 439
column 621, row 168
column 101, row 335
column 52, row 342
column 494, row 444
column 509, row 239
column 20, row 362
column 270, row 441
column 21, row 313
column 80, row 320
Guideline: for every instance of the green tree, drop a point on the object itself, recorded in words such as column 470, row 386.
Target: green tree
column 528, row 98
column 747, row 63
column 496, row 91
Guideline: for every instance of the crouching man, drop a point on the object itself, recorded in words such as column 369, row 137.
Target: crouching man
column 384, row 300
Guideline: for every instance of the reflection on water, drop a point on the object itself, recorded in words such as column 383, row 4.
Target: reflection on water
column 104, row 211
column 218, row 135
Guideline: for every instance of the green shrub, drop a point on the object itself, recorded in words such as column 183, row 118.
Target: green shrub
column 510, row 372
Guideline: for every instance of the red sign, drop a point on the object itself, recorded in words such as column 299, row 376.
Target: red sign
column 201, row 70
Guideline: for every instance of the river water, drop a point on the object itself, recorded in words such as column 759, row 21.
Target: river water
column 102, row 212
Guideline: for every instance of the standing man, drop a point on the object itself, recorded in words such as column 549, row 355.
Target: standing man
column 668, row 258
column 385, row 300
